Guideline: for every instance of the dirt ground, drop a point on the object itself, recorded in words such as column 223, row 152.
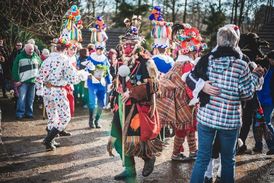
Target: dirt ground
column 83, row 156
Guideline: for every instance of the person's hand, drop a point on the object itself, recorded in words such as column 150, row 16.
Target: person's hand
column 111, row 141
column 125, row 96
column 17, row 84
column 259, row 70
column 211, row 90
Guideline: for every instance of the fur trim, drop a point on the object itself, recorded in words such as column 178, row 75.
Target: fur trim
column 152, row 69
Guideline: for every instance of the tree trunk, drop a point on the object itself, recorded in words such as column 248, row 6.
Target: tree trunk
column 184, row 17
column 235, row 12
column 173, row 10
column 241, row 12
column 232, row 14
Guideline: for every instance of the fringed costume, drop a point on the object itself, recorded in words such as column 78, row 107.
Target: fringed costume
column 177, row 95
column 137, row 127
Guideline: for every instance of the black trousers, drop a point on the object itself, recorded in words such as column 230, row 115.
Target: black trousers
column 248, row 117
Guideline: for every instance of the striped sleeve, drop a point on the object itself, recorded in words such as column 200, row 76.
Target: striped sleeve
column 247, row 83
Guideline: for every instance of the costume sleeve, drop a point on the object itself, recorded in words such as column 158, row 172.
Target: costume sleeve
column 71, row 75
column 247, row 83
column 15, row 73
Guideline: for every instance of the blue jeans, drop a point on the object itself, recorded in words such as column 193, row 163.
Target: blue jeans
column 267, row 115
column 228, row 139
column 25, row 100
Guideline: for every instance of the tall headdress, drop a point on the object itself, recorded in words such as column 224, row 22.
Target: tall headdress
column 187, row 39
column 71, row 29
column 131, row 41
column 98, row 34
column 161, row 31
column 132, row 32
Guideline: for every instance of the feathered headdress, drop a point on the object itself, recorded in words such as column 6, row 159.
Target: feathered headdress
column 161, row 31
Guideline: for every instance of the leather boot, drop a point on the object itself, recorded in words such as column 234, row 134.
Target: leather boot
column 64, row 133
column 56, row 144
column 48, row 140
column 148, row 166
column 98, row 115
column 90, row 122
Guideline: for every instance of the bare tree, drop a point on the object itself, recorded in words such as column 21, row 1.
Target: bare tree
column 38, row 17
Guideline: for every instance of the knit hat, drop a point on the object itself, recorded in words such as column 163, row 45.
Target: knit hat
column 161, row 31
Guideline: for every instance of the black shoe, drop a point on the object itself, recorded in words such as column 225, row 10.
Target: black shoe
column 49, row 138
column 270, row 152
column 19, row 118
column 208, row 180
column 64, row 133
column 257, row 150
column 148, row 166
column 97, row 125
column 242, row 150
column 28, row 117
column 91, row 119
column 125, row 175
column 218, row 180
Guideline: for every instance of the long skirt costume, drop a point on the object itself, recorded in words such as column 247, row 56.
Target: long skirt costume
column 140, row 131
column 173, row 107
column 55, row 74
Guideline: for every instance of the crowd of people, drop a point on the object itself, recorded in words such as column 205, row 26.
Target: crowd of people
column 179, row 84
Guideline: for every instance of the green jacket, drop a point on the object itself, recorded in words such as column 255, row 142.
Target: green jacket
column 26, row 68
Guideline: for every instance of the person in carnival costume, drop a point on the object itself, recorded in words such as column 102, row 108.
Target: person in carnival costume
column 135, row 124
column 55, row 74
column 71, row 34
column 100, row 79
column 55, row 77
column 175, row 93
column 161, row 33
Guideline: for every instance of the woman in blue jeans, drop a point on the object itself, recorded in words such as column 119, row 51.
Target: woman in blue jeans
column 266, row 97
column 220, row 104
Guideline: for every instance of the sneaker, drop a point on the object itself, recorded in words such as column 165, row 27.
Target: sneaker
column 193, row 155
column 270, row 152
column 208, row 180
column 179, row 157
